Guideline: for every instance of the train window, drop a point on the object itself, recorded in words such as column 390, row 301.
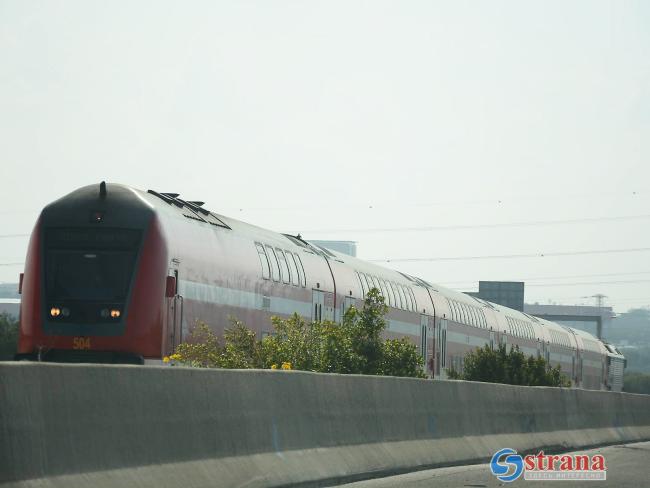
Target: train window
column 401, row 301
column 295, row 276
column 415, row 303
column 384, row 291
column 301, row 271
column 411, row 305
column 275, row 266
column 454, row 312
column 367, row 283
column 375, row 283
column 284, row 267
column 394, row 293
column 363, row 285
column 391, row 294
column 264, row 261
column 407, row 299
column 474, row 316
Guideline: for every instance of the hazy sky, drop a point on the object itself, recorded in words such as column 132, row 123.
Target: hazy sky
column 332, row 118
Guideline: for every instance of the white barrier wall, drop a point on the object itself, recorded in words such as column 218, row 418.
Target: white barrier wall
column 123, row 426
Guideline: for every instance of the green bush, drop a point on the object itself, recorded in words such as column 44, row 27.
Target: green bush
column 8, row 337
column 511, row 367
column 636, row 383
column 354, row 346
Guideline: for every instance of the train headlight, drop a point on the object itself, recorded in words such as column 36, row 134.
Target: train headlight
column 115, row 313
column 55, row 311
column 65, row 312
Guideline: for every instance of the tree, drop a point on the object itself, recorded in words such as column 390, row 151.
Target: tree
column 8, row 336
column 636, row 383
column 512, row 367
column 353, row 346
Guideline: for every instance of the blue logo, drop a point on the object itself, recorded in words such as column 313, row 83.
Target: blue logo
column 513, row 463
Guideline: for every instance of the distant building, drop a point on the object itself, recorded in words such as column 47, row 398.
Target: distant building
column 9, row 290
column 583, row 317
column 9, row 299
column 10, row 306
column 345, row 247
column 507, row 293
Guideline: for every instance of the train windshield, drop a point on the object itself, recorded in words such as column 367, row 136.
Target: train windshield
column 92, row 264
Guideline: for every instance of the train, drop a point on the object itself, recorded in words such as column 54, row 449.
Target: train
column 114, row 274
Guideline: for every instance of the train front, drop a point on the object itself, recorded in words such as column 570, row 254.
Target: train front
column 94, row 282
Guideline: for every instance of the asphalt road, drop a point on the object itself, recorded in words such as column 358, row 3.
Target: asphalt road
column 628, row 465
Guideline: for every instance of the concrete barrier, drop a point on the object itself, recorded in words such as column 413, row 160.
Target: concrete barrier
column 83, row 425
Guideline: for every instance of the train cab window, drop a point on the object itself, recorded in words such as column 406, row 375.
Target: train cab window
column 264, row 261
column 295, row 276
column 284, row 267
column 275, row 266
column 301, row 271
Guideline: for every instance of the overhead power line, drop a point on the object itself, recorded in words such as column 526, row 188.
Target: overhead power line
column 619, row 282
column 449, row 202
column 11, row 264
column 462, row 282
column 7, row 236
column 508, row 256
column 480, row 226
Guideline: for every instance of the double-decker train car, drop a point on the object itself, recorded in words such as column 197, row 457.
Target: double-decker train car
column 114, row 274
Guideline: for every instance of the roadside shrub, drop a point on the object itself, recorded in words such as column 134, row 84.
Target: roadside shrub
column 511, row 367
column 354, row 346
column 8, row 337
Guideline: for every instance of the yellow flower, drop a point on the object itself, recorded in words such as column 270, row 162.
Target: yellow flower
column 286, row 365
column 166, row 359
column 175, row 357
column 274, row 366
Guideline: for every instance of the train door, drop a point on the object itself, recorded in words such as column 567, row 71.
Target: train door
column 328, row 306
column 317, row 302
column 430, row 345
column 573, row 367
column 322, row 306
column 424, row 346
column 579, row 377
column 174, row 309
column 442, row 356
column 345, row 305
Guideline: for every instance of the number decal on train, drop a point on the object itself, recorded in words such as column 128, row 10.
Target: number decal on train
column 81, row 343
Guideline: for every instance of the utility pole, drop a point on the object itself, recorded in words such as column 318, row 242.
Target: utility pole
column 600, row 301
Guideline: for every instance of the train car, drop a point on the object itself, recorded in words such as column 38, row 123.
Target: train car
column 115, row 274
column 615, row 366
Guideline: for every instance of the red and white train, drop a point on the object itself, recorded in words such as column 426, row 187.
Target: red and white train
column 114, row 274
